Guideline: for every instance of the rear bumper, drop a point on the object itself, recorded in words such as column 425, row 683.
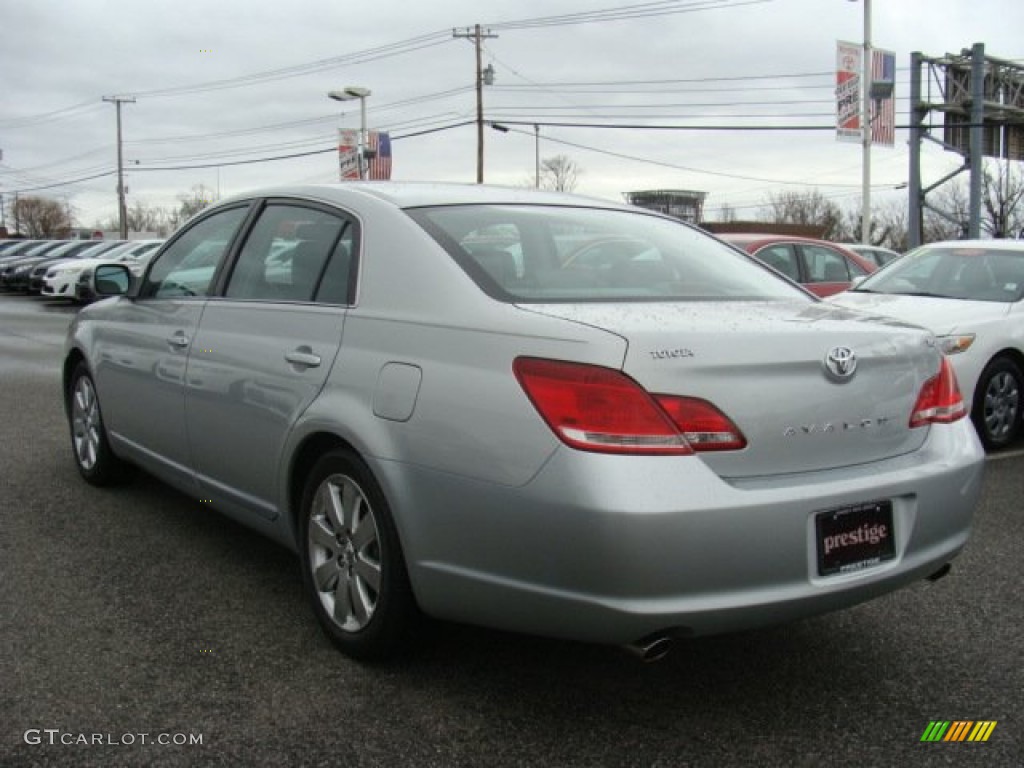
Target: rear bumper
column 612, row 549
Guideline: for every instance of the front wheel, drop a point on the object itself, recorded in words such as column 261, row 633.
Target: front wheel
column 352, row 562
column 997, row 404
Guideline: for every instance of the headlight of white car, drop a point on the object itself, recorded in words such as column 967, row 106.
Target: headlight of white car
column 955, row 344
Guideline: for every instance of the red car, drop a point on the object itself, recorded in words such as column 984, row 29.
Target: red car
column 822, row 267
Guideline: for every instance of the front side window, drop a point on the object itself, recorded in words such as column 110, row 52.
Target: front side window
column 539, row 253
column 294, row 253
column 188, row 265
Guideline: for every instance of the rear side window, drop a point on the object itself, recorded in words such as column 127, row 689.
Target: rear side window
column 541, row 253
column 294, row 253
column 824, row 265
column 188, row 265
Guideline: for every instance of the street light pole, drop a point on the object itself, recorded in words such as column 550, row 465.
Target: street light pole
column 865, row 127
column 348, row 94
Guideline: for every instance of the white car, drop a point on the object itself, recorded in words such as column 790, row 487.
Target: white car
column 970, row 294
column 61, row 279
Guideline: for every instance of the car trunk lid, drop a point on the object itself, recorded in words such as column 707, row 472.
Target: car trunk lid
column 782, row 372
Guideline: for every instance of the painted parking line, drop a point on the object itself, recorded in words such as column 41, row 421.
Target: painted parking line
column 1015, row 454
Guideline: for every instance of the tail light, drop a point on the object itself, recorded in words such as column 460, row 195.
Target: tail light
column 940, row 401
column 601, row 409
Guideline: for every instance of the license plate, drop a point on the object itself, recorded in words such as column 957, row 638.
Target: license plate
column 853, row 538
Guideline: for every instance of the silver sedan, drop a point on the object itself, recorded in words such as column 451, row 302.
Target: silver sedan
column 430, row 395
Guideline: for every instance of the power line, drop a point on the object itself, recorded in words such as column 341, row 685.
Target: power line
column 67, row 183
column 637, row 11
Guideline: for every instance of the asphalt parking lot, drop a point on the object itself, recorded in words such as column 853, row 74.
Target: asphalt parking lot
column 135, row 623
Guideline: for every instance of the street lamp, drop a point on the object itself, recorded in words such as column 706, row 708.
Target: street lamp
column 348, row 94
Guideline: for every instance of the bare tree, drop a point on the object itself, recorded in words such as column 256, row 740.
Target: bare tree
column 189, row 205
column 890, row 224
column 559, row 173
column 1002, row 205
column 40, row 217
column 1002, row 194
column 726, row 213
column 809, row 208
column 947, row 214
column 146, row 218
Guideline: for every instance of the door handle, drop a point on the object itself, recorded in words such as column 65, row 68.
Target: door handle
column 179, row 340
column 303, row 357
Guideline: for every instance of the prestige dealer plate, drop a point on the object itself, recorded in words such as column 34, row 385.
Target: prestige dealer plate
column 852, row 538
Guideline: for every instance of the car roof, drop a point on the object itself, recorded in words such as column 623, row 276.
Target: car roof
column 418, row 194
column 771, row 237
column 992, row 245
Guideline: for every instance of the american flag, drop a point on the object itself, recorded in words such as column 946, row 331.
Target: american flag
column 379, row 165
column 883, row 111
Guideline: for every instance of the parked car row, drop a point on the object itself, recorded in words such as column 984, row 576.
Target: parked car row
column 64, row 269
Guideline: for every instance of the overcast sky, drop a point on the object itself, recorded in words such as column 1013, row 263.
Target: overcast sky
column 217, row 82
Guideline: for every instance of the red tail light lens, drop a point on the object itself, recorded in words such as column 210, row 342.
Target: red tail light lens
column 601, row 409
column 940, row 401
column 705, row 427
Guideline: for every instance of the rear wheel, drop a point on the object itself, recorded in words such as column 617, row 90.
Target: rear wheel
column 997, row 403
column 352, row 562
column 95, row 460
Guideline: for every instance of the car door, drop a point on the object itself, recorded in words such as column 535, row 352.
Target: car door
column 142, row 350
column 264, row 348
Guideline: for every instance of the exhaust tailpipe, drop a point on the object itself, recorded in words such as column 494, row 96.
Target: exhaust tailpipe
column 651, row 648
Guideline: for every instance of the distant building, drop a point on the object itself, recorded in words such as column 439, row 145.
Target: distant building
column 681, row 203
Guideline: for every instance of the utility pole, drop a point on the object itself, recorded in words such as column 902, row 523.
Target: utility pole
column 122, row 209
column 477, row 34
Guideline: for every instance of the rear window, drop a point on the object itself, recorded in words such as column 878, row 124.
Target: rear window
column 568, row 254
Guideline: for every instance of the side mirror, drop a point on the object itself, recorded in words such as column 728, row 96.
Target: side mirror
column 112, row 280
column 857, row 280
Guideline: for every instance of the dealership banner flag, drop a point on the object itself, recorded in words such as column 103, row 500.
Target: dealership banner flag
column 883, row 111
column 348, row 155
column 378, row 152
column 848, row 101
column 379, row 166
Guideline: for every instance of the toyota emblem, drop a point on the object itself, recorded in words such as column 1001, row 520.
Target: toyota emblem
column 841, row 363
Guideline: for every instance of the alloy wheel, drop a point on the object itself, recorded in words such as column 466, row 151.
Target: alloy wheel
column 85, row 423
column 344, row 552
column 1001, row 405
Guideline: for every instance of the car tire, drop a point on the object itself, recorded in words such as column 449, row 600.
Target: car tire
column 94, row 458
column 352, row 562
column 996, row 410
